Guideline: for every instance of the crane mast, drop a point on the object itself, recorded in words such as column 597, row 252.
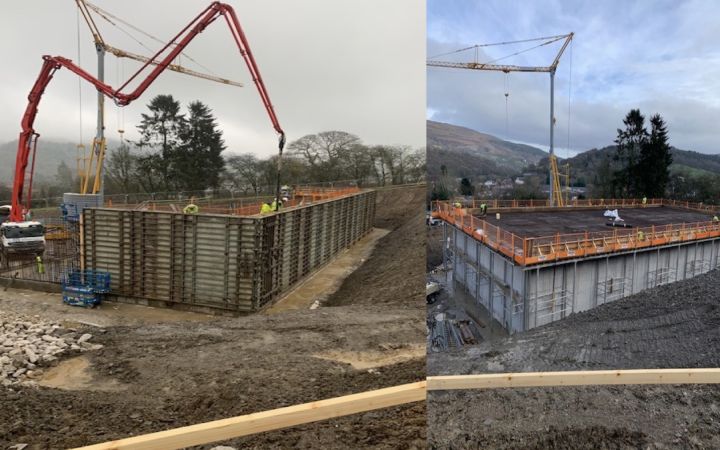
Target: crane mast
column 53, row 63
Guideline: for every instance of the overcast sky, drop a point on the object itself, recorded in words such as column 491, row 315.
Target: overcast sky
column 356, row 66
column 659, row 56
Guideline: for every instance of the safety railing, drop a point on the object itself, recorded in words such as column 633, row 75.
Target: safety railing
column 301, row 196
column 315, row 194
column 533, row 250
column 585, row 203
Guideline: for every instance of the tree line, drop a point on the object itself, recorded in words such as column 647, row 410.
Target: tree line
column 185, row 152
column 640, row 166
column 182, row 151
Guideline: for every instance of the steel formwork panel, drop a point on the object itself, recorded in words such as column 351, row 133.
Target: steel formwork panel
column 221, row 262
column 521, row 298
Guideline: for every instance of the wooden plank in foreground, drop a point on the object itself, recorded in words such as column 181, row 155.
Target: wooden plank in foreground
column 577, row 378
column 223, row 429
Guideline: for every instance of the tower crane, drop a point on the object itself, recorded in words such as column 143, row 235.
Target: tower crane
column 22, row 237
column 556, row 198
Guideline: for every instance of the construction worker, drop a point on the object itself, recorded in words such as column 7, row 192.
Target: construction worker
column 640, row 235
column 265, row 208
column 644, row 201
column 191, row 209
column 458, row 205
column 483, row 208
column 716, row 219
column 40, row 265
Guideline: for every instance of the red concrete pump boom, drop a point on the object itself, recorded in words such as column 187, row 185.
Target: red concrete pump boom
column 52, row 63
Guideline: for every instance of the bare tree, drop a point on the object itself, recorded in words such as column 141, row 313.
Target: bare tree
column 245, row 172
column 325, row 151
column 121, row 169
column 415, row 166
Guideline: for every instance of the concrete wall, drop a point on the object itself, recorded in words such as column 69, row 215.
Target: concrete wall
column 521, row 298
column 494, row 281
column 229, row 263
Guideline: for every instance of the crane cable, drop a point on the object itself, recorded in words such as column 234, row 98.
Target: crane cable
column 569, row 194
column 523, row 51
column 79, row 79
column 80, row 156
column 569, row 96
column 507, row 95
column 549, row 39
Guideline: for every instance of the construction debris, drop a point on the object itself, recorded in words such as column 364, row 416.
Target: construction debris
column 445, row 333
column 28, row 345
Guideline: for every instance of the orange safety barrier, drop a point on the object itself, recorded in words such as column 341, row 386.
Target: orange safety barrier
column 247, row 207
column 319, row 194
column 534, row 250
column 588, row 203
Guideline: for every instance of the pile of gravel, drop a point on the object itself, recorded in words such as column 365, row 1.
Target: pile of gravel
column 29, row 344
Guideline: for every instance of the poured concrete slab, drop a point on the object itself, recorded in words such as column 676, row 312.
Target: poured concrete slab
column 547, row 223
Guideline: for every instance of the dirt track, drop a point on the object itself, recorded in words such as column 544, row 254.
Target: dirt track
column 672, row 326
column 167, row 373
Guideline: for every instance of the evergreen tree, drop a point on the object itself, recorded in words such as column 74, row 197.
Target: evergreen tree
column 198, row 163
column 655, row 160
column 440, row 189
column 630, row 142
column 604, row 181
column 466, row 187
column 65, row 179
column 160, row 134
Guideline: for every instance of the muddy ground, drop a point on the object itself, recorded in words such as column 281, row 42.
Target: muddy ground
column 161, row 372
column 676, row 325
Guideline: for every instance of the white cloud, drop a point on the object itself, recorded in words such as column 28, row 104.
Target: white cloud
column 659, row 56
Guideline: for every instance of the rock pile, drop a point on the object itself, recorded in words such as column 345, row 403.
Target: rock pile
column 27, row 345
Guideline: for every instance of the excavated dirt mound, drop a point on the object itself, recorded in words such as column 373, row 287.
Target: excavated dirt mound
column 393, row 261
column 676, row 325
column 172, row 373
column 396, row 204
column 394, row 258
